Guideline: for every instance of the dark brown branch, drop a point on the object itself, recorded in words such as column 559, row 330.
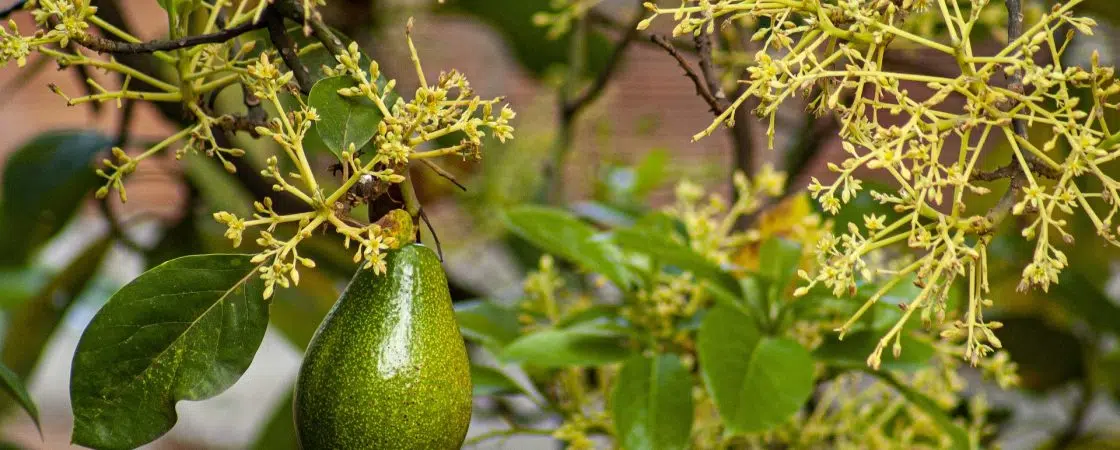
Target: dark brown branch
column 1007, row 201
column 435, row 237
column 443, row 173
column 293, row 10
column 701, row 87
column 288, row 51
column 103, row 45
column 707, row 68
column 572, row 107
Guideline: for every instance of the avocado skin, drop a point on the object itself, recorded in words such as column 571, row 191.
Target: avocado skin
column 387, row 368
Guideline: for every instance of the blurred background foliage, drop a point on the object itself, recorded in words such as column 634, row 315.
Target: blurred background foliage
column 60, row 258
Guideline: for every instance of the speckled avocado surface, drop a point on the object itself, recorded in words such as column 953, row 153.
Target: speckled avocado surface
column 387, row 368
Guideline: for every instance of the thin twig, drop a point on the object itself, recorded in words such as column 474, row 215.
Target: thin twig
column 435, row 237
column 443, row 173
column 707, row 68
column 573, row 106
column 1007, row 201
column 288, row 51
column 701, row 87
column 103, row 45
column 116, row 229
column 604, row 20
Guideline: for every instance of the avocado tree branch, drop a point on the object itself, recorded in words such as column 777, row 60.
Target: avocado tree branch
column 104, row 45
column 574, row 106
column 701, row 86
column 288, row 51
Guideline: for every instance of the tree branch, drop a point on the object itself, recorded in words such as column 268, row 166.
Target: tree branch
column 704, row 48
column 103, row 45
column 443, row 173
column 288, row 51
column 701, row 87
column 572, row 107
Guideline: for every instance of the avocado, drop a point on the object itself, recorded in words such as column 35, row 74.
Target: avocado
column 387, row 368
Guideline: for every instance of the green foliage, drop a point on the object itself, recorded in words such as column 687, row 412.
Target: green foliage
column 185, row 330
column 45, row 181
column 15, row 388
column 492, row 325
column 583, row 344
column 757, row 381
column 652, row 403
column 491, row 381
column 560, row 233
column 345, row 123
column 34, row 321
column 686, row 327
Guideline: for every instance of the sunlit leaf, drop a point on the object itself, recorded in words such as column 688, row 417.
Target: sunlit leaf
column 558, row 232
column 588, row 344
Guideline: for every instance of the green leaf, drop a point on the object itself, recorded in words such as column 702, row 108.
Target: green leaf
column 34, row 322
column 652, row 403
column 959, row 436
column 14, row 387
column 662, row 248
column 491, row 381
column 586, row 344
column 185, row 330
column 558, row 232
column 757, row 382
column 530, row 43
column 45, row 181
column 856, row 347
column 343, row 120
column 487, row 323
column 779, row 259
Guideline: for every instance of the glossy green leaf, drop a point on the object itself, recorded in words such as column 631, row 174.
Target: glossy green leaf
column 343, row 121
column 185, row 330
column 756, row 381
column 489, row 381
column 487, row 323
column 34, row 322
column 530, row 43
column 652, row 403
column 45, row 181
column 856, row 347
column 558, row 232
column 581, row 345
column 958, row 435
column 14, row 387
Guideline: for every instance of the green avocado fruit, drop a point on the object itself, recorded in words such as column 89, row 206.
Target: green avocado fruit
column 387, row 368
